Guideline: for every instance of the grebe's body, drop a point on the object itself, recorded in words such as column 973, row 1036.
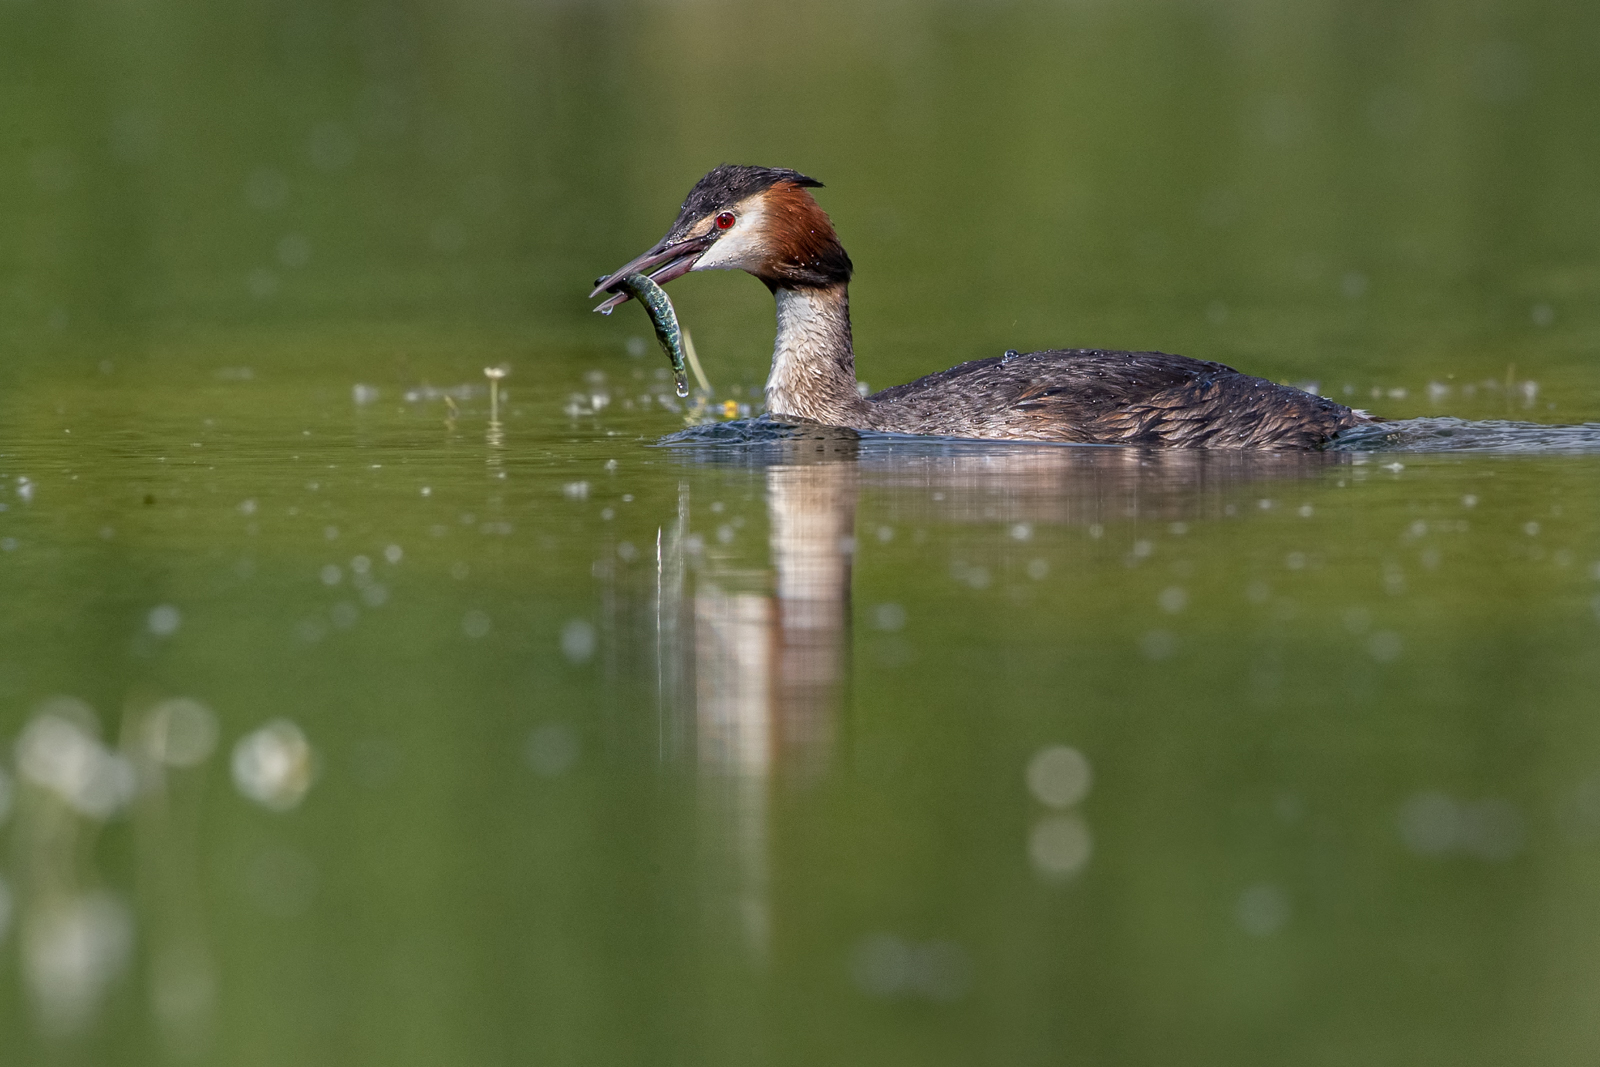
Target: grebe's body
column 763, row 220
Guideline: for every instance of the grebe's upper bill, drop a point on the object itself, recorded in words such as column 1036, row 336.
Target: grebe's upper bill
column 669, row 259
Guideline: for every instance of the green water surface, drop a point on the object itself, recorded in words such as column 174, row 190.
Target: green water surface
column 351, row 716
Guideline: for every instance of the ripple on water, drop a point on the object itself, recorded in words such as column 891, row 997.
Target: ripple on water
column 1462, row 435
column 1401, row 435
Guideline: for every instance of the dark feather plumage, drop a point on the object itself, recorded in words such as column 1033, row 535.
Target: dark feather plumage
column 1098, row 396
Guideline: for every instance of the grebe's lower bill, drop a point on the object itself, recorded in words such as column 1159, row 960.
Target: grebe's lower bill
column 764, row 221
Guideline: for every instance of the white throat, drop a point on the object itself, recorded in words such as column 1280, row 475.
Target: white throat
column 813, row 361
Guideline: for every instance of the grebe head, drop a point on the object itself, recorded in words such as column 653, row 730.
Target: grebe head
column 756, row 219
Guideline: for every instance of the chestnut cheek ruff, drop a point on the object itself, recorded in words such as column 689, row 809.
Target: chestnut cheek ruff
column 805, row 250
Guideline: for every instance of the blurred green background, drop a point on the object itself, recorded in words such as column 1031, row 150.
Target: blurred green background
column 1386, row 191
column 592, row 752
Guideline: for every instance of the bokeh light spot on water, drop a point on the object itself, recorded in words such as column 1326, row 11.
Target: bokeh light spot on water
column 1021, row 531
column 1385, row 646
column 1158, row 645
column 1394, row 579
column 889, row 616
column 977, row 577
column 265, row 190
column 331, row 574
column 262, row 283
column 1038, row 569
column 60, row 750
column 375, row 595
column 447, row 235
column 164, row 620
column 1432, row 823
column 73, row 948
column 344, row 614
column 1059, row 776
column 294, row 251
column 552, row 749
column 180, row 732
column 577, row 641
column 1262, row 910
column 1173, row 599
column 330, row 146
column 883, row 965
column 183, row 994
column 53, row 169
column 1060, row 846
column 476, row 624
column 394, row 554
column 273, row 765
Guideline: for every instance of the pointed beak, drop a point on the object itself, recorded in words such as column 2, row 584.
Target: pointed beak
column 666, row 261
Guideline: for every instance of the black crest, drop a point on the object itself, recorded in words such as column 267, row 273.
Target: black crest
column 730, row 183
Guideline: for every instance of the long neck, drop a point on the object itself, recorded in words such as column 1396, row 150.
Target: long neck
column 814, row 363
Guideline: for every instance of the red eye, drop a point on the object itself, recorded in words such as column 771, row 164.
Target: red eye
column 724, row 220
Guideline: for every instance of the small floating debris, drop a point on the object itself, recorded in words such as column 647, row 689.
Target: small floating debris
column 495, row 374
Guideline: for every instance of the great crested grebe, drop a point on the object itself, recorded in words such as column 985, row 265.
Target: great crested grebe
column 762, row 220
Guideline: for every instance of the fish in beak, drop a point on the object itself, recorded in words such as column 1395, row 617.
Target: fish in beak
column 670, row 258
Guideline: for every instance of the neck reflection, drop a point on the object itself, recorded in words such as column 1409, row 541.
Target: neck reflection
column 753, row 662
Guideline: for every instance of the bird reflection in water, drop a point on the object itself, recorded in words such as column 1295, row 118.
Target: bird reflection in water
column 752, row 663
